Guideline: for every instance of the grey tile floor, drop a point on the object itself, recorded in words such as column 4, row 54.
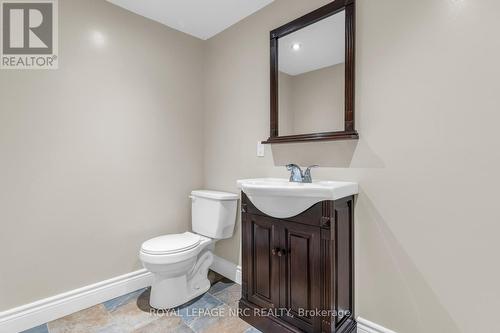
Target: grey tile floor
column 215, row 311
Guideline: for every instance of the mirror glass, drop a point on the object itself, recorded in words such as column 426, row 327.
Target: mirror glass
column 311, row 78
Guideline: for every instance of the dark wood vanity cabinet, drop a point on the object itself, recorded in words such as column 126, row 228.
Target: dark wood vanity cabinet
column 298, row 272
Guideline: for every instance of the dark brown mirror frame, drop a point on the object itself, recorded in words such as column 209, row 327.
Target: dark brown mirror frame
column 330, row 9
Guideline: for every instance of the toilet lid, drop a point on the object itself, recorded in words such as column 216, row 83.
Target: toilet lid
column 172, row 243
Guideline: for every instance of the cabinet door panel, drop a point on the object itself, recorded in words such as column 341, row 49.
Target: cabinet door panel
column 300, row 278
column 263, row 284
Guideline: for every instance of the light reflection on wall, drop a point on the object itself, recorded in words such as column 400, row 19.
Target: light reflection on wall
column 98, row 38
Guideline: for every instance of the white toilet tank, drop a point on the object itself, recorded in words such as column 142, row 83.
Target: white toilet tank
column 213, row 213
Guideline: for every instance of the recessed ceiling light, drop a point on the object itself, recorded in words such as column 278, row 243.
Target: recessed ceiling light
column 296, row 46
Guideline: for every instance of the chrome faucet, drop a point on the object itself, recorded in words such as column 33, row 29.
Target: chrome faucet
column 297, row 176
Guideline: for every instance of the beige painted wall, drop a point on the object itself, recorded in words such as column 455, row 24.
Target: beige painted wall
column 427, row 218
column 98, row 156
column 312, row 102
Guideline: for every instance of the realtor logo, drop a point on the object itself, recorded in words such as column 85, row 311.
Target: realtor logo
column 29, row 34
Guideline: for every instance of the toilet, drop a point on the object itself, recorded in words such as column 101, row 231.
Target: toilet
column 180, row 262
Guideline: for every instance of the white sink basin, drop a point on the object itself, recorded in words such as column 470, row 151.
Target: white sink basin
column 280, row 198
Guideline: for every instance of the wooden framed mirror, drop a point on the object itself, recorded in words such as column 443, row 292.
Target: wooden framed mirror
column 312, row 76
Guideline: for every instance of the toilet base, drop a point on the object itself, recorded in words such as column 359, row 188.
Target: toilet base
column 169, row 291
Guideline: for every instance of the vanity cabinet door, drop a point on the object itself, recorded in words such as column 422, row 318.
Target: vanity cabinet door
column 261, row 242
column 300, row 280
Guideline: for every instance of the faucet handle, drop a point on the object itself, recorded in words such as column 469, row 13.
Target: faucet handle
column 307, row 173
column 312, row 166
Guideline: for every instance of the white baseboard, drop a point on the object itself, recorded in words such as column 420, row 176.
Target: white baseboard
column 227, row 269
column 48, row 309
column 366, row 326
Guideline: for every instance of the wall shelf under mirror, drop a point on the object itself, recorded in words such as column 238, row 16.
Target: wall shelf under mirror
column 312, row 76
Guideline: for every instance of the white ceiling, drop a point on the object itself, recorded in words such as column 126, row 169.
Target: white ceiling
column 322, row 44
column 199, row 18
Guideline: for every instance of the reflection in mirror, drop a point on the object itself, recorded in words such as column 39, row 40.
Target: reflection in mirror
column 311, row 78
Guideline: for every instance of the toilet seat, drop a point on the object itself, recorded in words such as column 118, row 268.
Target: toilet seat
column 170, row 244
column 172, row 248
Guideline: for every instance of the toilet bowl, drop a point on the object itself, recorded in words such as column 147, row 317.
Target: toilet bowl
column 180, row 262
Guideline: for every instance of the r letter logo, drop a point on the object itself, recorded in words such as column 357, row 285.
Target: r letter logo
column 29, row 34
